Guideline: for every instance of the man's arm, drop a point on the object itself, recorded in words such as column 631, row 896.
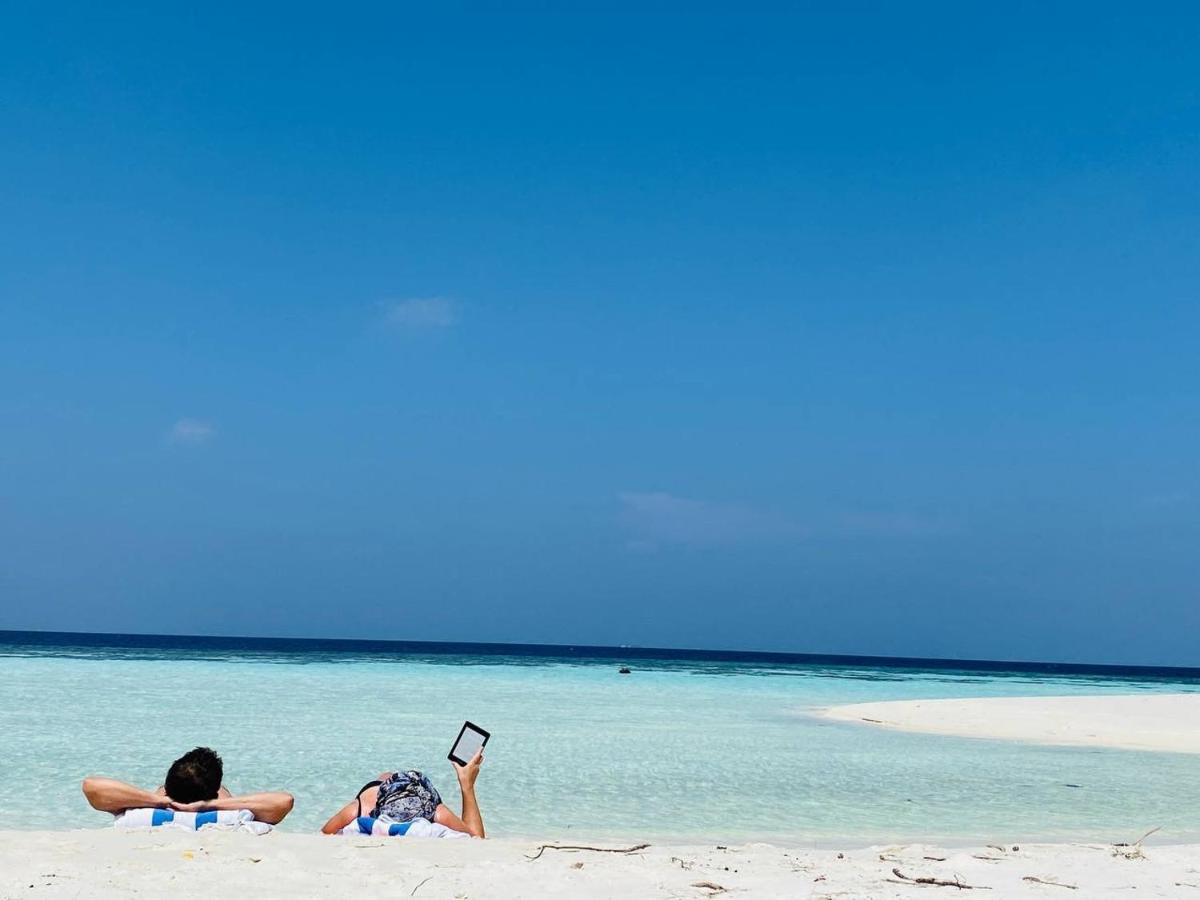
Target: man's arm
column 268, row 806
column 112, row 796
column 471, row 821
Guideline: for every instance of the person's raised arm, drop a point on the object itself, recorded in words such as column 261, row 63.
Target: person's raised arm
column 268, row 806
column 112, row 796
column 471, row 821
column 341, row 818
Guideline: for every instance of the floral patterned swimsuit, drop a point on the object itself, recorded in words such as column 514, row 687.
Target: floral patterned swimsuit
column 404, row 796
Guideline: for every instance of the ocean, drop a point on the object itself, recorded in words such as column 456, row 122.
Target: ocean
column 690, row 746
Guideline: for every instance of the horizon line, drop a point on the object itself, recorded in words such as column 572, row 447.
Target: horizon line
column 637, row 651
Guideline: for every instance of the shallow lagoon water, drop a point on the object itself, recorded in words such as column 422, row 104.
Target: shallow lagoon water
column 679, row 749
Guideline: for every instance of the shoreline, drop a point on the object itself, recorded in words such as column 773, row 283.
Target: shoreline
column 1163, row 723
column 107, row 863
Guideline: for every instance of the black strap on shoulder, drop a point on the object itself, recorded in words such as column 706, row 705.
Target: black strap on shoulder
column 358, row 796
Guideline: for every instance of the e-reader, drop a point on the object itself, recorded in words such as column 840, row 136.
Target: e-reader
column 470, row 739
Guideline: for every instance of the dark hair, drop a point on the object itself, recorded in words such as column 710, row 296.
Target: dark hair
column 195, row 776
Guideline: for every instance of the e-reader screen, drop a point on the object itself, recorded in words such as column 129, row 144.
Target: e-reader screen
column 470, row 739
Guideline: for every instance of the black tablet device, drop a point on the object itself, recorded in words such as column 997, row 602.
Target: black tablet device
column 470, row 739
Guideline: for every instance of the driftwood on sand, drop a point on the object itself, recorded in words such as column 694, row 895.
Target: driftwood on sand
column 1134, row 850
column 1036, row 880
column 938, row 882
column 544, row 847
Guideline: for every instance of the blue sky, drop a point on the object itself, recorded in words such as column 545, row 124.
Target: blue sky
column 854, row 328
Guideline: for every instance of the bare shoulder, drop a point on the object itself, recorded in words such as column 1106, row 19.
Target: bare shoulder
column 368, row 797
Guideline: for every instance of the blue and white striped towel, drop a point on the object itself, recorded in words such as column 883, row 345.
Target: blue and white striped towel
column 226, row 819
column 387, row 828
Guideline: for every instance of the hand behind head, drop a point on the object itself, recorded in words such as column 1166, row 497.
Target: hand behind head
column 198, row 806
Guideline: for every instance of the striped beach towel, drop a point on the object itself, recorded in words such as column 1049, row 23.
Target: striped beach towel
column 387, row 828
column 226, row 819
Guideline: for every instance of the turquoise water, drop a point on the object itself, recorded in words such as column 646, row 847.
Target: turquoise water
column 678, row 750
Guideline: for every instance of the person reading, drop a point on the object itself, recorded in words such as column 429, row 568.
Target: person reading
column 405, row 796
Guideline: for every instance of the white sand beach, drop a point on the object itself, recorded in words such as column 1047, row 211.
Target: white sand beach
column 104, row 863
column 1162, row 722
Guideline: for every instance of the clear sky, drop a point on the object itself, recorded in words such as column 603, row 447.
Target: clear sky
column 861, row 328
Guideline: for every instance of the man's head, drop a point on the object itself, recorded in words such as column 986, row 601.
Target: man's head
column 195, row 776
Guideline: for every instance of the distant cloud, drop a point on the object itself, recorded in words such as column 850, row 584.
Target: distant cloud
column 656, row 517
column 893, row 525
column 421, row 313
column 191, row 431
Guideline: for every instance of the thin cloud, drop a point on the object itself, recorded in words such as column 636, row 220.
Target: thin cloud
column 421, row 313
column 656, row 517
column 893, row 525
column 191, row 431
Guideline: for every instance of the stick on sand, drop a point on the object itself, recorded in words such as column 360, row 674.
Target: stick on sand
column 542, row 849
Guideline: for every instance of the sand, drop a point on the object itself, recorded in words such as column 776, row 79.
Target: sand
column 105, row 863
column 1162, row 722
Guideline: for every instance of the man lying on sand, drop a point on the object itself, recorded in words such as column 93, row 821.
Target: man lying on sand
column 193, row 785
column 404, row 796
